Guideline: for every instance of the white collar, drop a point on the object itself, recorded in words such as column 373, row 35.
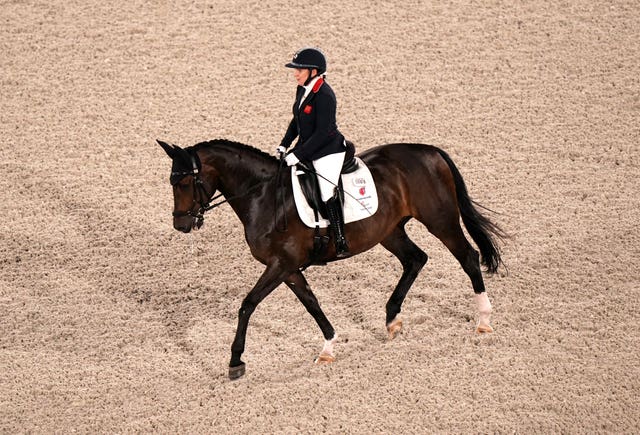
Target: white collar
column 309, row 87
column 311, row 84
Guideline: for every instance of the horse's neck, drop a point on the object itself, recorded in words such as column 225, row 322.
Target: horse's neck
column 241, row 172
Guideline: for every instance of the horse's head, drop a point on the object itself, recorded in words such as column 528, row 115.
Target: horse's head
column 191, row 189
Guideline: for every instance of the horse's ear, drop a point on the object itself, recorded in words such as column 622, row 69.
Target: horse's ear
column 171, row 150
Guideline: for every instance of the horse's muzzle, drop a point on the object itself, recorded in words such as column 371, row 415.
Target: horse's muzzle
column 187, row 223
column 182, row 227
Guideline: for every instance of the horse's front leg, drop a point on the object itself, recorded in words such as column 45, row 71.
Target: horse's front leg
column 270, row 279
column 297, row 282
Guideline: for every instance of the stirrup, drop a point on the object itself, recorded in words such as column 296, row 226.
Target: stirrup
column 342, row 251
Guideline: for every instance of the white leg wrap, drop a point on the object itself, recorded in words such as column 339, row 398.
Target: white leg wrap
column 328, row 346
column 484, row 308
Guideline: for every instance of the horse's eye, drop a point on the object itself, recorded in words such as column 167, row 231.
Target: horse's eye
column 182, row 186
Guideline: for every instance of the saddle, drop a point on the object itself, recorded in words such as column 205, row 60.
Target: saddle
column 356, row 191
column 311, row 188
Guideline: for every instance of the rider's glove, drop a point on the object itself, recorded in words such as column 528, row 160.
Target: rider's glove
column 280, row 152
column 291, row 159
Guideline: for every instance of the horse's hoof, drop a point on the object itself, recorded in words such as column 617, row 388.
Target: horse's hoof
column 484, row 329
column 324, row 358
column 394, row 328
column 236, row 372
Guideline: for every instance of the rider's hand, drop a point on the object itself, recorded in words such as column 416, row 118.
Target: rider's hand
column 280, row 152
column 291, row 159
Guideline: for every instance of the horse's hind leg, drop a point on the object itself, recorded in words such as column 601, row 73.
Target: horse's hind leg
column 454, row 239
column 413, row 260
column 298, row 284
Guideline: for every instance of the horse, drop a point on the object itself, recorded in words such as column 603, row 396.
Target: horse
column 412, row 180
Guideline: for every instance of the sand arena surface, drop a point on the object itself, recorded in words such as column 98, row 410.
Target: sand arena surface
column 114, row 322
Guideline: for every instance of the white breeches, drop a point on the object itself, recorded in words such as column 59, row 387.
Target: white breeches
column 328, row 169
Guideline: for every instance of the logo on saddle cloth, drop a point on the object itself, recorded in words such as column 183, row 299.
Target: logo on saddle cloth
column 360, row 197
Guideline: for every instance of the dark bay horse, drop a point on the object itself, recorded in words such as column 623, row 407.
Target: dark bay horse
column 413, row 181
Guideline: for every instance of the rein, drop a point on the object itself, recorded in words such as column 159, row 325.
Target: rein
column 280, row 189
column 212, row 206
column 208, row 207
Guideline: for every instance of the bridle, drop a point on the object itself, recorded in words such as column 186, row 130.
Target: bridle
column 201, row 198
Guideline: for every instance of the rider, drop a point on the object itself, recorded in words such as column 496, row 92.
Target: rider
column 319, row 141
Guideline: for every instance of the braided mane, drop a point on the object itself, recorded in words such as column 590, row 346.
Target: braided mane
column 237, row 145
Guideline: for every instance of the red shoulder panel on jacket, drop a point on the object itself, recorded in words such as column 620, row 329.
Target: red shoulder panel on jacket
column 316, row 87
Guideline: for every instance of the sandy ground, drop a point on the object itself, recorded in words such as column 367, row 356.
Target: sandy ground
column 114, row 322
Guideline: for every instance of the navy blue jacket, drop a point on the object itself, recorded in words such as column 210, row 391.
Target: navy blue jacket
column 314, row 123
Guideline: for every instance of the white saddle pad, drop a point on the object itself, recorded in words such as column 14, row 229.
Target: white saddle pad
column 360, row 197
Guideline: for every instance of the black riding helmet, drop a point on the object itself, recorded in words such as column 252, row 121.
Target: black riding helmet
column 309, row 58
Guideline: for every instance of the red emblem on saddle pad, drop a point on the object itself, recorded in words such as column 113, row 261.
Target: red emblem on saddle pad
column 362, row 191
column 307, row 109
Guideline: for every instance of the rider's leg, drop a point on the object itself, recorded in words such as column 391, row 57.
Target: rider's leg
column 334, row 209
column 328, row 169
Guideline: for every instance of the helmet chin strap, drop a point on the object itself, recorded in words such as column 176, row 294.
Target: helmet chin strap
column 310, row 76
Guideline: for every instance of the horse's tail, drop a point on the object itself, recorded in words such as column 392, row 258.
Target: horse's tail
column 480, row 228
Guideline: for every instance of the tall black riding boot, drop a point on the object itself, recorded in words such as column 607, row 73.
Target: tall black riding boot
column 336, row 219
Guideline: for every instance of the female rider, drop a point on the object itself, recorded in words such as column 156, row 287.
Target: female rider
column 319, row 141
